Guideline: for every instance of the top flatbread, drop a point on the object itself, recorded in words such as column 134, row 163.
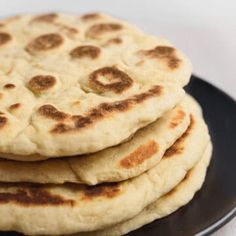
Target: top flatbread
column 71, row 85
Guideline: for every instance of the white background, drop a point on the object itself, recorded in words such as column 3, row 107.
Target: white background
column 204, row 29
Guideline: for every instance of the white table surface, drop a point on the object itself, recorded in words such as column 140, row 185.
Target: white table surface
column 204, row 29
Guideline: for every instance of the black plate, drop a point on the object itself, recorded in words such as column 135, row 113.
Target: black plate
column 215, row 204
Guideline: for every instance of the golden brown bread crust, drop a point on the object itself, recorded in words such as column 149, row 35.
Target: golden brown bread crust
column 95, row 114
column 86, row 51
column 122, row 81
column 178, row 118
column 9, row 86
column 40, row 83
column 142, row 153
column 165, row 53
column 4, row 38
column 50, row 17
column 45, row 42
column 178, row 146
column 107, row 190
column 14, row 106
column 90, row 16
column 99, row 29
column 51, row 112
column 3, row 121
column 29, row 195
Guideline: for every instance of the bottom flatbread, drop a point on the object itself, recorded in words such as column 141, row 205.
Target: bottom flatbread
column 170, row 202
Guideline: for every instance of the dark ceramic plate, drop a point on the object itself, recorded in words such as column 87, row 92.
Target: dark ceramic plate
column 215, row 204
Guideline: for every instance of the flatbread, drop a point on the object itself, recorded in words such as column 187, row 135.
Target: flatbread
column 72, row 85
column 72, row 208
column 167, row 204
column 114, row 164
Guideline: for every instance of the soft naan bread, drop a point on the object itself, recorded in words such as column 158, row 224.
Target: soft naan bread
column 72, row 85
column 114, row 164
column 72, row 208
column 170, row 202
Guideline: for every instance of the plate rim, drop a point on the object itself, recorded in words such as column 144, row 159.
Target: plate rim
column 226, row 218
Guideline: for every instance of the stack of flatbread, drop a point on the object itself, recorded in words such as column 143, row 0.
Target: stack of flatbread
column 97, row 136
